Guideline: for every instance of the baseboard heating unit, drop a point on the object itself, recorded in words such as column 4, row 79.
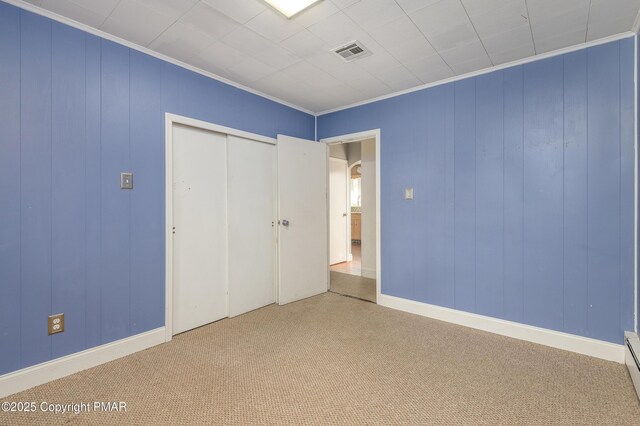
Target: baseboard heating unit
column 632, row 358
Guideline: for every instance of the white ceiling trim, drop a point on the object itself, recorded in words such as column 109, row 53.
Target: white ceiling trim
column 534, row 58
column 64, row 20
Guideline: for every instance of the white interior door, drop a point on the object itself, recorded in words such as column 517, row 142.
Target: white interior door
column 252, row 218
column 338, row 182
column 302, row 207
column 200, row 221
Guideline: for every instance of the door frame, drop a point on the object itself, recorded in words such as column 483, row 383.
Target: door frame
column 359, row 137
column 347, row 207
column 170, row 121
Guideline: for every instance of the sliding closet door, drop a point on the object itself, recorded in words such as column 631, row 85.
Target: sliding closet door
column 200, row 221
column 252, row 215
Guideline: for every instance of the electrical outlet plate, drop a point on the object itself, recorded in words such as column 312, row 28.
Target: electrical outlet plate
column 56, row 323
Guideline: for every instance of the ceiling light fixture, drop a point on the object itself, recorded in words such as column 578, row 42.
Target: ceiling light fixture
column 289, row 8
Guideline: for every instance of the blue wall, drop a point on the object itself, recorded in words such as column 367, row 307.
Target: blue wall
column 75, row 111
column 523, row 184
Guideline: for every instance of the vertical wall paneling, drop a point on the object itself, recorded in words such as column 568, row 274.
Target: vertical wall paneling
column 448, row 287
column 435, row 186
column 68, row 187
column 10, row 189
column 604, row 189
column 489, row 194
column 423, row 212
column 575, row 193
column 465, row 195
column 75, row 112
column 513, row 301
column 542, row 191
column 403, row 171
column 147, row 149
column 627, row 166
column 93, row 193
column 35, row 187
column 116, row 202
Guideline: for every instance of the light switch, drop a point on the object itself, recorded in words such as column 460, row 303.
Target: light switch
column 126, row 180
column 408, row 193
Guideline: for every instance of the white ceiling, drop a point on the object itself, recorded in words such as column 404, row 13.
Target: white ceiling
column 413, row 41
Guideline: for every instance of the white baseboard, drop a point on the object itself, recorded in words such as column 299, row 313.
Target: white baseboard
column 556, row 339
column 368, row 273
column 55, row 369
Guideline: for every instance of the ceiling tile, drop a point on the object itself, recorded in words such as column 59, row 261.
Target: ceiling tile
column 370, row 14
column 250, row 69
column 559, row 41
column 512, row 55
column 135, row 21
column 273, row 25
column 429, row 69
column 396, row 31
column 605, row 20
column 239, row 10
column 464, row 53
column 101, row 7
column 341, row 4
column 504, row 16
column 410, row 6
column 78, row 13
column 209, row 21
column 304, row 44
column 508, row 40
column 279, row 83
column 336, row 29
column 410, row 49
column 277, row 57
column 440, row 16
column 397, row 77
column 222, row 55
column 246, row 41
column 316, row 13
column 470, row 65
column 174, row 8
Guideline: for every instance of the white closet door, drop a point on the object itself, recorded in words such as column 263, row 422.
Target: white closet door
column 200, row 221
column 252, row 244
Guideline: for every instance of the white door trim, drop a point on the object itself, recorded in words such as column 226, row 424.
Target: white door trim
column 358, row 137
column 170, row 120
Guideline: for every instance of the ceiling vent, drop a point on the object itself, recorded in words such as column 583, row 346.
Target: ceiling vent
column 352, row 51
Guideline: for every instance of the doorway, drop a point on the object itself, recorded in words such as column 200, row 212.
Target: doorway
column 354, row 221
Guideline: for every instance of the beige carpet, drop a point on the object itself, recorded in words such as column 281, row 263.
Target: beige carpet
column 354, row 286
column 337, row 360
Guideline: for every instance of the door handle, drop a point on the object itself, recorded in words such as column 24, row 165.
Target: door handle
column 285, row 222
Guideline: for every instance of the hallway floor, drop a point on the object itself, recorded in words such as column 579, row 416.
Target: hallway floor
column 355, row 266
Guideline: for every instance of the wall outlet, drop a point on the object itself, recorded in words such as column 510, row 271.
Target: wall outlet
column 56, row 323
